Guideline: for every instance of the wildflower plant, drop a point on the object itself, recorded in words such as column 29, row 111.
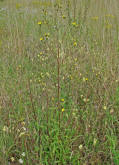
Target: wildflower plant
column 59, row 94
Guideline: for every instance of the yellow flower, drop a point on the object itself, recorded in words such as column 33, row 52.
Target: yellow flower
column 63, row 16
column 12, row 159
column 62, row 100
column 41, row 53
column 104, row 107
column 81, row 146
column 75, row 44
column 85, row 79
column 74, row 24
column 23, row 123
column 39, row 23
column 47, row 34
column 5, row 129
column 62, row 109
column 41, row 38
column 95, row 18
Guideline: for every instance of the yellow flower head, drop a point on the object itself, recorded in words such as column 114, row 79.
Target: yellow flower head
column 41, row 38
column 62, row 100
column 47, row 35
column 63, row 16
column 39, row 23
column 5, row 129
column 62, row 109
column 75, row 43
column 81, row 146
column 104, row 107
column 95, row 18
column 85, row 79
column 23, row 123
column 12, row 159
column 74, row 23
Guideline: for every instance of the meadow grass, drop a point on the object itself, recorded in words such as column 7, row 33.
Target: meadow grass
column 59, row 82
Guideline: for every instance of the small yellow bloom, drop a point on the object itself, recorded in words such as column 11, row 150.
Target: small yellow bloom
column 41, row 38
column 47, row 34
column 62, row 100
column 39, row 23
column 74, row 23
column 85, row 79
column 12, row 159
column 63, row 16
column 75, row 43
column 23, row 123
column 62, row 109
column 104, row 107
column 5, row 129
column 81, row 146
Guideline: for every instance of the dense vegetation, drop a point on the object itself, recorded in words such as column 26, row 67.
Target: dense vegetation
column 59, row 82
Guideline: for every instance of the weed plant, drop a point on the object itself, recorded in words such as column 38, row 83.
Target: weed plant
column 59, row 82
